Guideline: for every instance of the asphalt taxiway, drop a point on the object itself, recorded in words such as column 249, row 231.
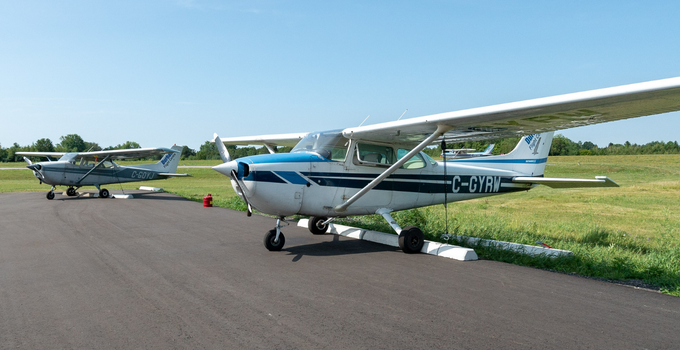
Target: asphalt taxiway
column 159, row 271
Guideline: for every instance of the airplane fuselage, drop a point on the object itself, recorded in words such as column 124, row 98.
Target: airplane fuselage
column 306, row 183
column 62, row 173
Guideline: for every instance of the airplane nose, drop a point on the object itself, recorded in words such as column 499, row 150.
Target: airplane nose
column 226, row 168
column 34, row 167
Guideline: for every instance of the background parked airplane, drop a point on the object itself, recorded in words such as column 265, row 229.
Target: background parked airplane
column 79, row 169
column 466, row 152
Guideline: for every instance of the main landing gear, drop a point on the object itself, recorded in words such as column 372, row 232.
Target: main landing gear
column 72, row 191
column 318, row 225
column 411, row 238
column 103, row 193
column 274, row 239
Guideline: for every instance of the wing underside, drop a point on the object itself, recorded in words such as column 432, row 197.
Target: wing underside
column 533, row 116
column 112, row 154
column 289, row 140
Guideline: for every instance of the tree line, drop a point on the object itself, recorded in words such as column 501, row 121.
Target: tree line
column 561, row 146
column 75, row 143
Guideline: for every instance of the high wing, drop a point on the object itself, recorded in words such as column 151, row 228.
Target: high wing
column 41, row 154
column 289, row 140
column 531, row 116
column 127, row 153
column 113, row 154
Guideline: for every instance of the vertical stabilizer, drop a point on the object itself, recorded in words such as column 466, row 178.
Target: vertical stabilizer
column 531, row 153
column 168, row 163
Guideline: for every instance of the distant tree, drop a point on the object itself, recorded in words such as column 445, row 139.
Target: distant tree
column 208, row 151
column 71, row 143
column 126, row 145
column 3, row 154
column 589, row 145
column 562, row 146
column 187, row 152
column 43, row 145
column 11, row 156
column 92, row 146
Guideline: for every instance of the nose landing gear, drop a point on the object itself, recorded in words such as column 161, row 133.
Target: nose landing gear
column 274, row 239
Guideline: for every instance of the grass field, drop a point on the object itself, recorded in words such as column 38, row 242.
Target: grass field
column 630, row 233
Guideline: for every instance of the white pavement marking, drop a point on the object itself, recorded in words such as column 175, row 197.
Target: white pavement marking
column 148, row 188
column 442, row 249
column 432, row 248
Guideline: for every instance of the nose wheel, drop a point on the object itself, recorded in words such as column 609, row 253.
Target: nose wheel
column 50, row 195
column 271, row 243
column 274, row 239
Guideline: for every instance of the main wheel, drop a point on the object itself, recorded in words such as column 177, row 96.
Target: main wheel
column 316, row 225
column 104, row 193
column 50, row 195
column 269, row 241
column 71, row 192
column 411, row 240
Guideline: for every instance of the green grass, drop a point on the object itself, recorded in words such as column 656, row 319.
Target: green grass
column 630, row 233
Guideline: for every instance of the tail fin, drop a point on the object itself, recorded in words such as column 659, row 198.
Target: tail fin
column 224, row 154
column 167, row 164
column 170, row 161
column 488, row 149
column 531, row 153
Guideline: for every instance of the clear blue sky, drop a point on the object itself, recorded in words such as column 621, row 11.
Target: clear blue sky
column 160, row 72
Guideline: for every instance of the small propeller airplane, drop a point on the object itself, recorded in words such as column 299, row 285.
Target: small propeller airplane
column 379, row 169
column 78, row 169
column 466, row 152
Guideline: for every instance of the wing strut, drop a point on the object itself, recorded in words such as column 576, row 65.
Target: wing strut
column 94, row 167
column 441, row 129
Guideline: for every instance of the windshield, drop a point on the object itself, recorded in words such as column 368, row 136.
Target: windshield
column 328, row 144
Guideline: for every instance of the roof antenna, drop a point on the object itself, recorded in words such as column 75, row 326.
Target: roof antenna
column 362, row 123
column 403, row 114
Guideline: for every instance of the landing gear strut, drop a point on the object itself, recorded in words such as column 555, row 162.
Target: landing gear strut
column 274, row 239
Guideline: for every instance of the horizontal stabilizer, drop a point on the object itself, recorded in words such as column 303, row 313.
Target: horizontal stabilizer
column 553, row 182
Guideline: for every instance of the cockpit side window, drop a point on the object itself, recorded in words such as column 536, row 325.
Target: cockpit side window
column 416, row 162
column 375, row 154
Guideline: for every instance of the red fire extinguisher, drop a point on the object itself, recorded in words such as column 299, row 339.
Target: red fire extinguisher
column 207, row 201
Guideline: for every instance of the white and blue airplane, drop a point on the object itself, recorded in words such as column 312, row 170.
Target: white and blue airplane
column 78, row 169
column 466, row 152
column 379, row 169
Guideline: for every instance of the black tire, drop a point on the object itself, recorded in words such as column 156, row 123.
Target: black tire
column 104, row 193
column 71, row 192
column 50, row 195
column 411, row 240
column 269, row 241
column 315, row 225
